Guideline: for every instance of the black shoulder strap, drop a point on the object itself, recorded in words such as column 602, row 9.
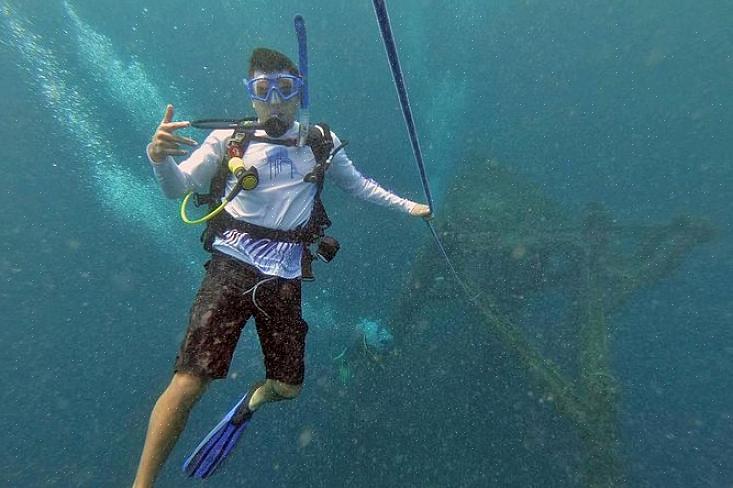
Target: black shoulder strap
column 321, row 143
column 236, row 144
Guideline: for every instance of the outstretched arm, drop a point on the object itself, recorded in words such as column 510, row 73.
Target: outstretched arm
column 343, row 172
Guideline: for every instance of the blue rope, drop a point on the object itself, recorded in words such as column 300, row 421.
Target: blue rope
column 389, row 43
column 380, row 8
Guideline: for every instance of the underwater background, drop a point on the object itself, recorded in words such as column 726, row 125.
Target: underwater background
column 624, row 103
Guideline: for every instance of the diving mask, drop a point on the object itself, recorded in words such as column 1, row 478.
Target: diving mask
column 262, row 87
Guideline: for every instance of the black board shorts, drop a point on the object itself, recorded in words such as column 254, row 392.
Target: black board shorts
column 220, row 310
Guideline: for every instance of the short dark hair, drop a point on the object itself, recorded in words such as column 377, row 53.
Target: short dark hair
column 269, row 61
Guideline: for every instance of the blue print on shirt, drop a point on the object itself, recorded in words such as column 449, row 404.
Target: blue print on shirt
column 277, row 160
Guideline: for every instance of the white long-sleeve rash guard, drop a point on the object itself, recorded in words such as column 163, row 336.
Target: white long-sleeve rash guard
column 281, row 200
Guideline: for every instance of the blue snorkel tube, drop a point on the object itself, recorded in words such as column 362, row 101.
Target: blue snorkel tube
column 304, row 116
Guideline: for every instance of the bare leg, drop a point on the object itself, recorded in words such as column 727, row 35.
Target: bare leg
column 273, row 391
column 167, row 421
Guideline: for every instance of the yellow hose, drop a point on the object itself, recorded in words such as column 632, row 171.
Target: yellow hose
column 206, row 217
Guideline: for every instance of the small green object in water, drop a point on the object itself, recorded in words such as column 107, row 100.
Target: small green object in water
column 344, row 373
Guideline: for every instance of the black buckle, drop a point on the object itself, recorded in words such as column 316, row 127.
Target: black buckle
column 199, row 200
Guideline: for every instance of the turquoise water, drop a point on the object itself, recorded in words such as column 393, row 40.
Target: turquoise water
column 626, row 103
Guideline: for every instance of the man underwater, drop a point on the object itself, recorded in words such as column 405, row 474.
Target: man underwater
column 256, row 249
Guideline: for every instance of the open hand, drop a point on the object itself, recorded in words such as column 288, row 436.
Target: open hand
column 165, row 142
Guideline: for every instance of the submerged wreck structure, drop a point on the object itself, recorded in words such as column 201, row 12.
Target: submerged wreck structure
column 517, row 253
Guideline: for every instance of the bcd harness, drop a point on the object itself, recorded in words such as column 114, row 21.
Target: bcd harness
column 321, row 143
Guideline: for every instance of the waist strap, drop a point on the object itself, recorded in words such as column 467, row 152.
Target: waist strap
column 224, row 221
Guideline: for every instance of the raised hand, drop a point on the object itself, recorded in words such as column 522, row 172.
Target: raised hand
column 165, row 142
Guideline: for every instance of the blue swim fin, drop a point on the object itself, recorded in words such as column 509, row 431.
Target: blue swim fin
column 217, row 445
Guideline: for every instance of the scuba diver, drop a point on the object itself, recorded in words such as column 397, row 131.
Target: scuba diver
column 371, row 340
column 260, row 251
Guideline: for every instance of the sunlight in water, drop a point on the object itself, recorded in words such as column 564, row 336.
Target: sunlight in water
column 127, row 83
column 133, row 200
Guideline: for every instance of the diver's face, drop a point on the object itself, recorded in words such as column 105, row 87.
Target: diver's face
column 276, row 106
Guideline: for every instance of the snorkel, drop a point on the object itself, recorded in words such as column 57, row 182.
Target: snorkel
column 304, row 115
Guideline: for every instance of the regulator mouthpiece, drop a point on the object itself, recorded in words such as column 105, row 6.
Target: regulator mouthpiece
column 275, row 127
